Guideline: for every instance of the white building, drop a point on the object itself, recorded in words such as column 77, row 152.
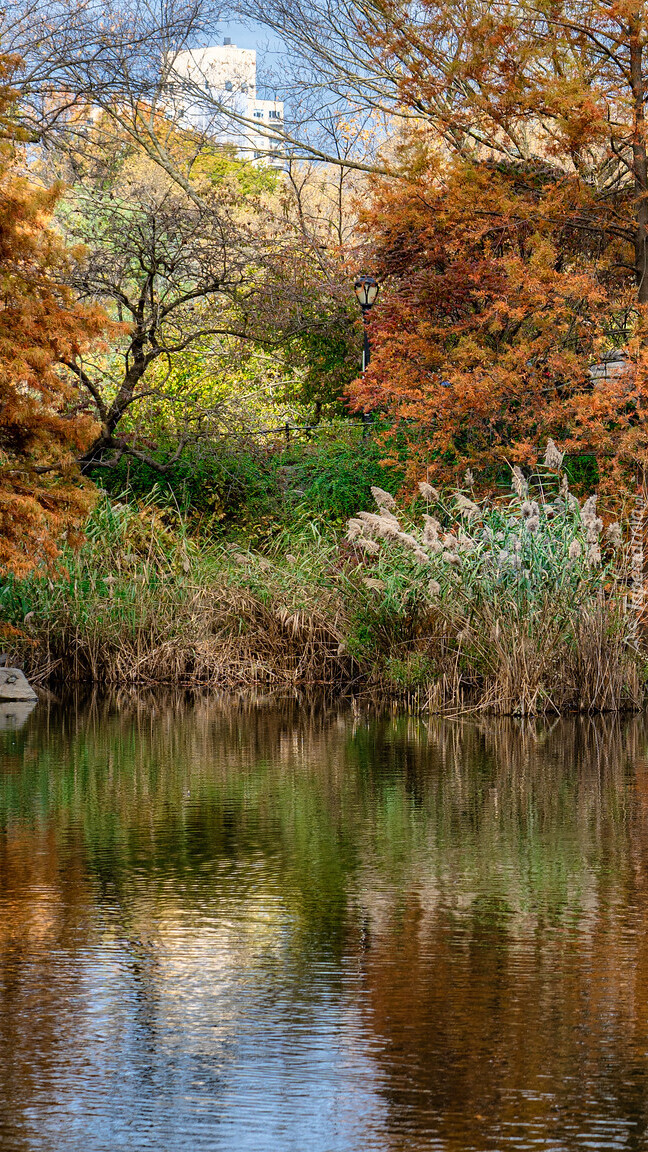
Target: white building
column 214, row 91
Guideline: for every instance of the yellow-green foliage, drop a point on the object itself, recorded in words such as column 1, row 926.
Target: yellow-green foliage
column 237, row 388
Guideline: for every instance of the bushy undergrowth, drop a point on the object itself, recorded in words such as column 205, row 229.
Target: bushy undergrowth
column 516, row 605
column 210, row 485
column 250, row 492
column 333, row 480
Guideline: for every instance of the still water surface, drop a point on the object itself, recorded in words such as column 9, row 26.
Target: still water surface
column 274, row 930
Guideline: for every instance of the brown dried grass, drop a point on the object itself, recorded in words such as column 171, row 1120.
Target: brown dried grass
column 143, row 606
column 223, row 636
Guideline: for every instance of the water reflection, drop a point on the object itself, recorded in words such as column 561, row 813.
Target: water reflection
column 243, row 927
column 14, row 714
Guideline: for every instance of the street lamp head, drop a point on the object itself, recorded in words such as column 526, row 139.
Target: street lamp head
column 366, row 290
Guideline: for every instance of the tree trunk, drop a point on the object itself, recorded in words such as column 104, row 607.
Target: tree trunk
column 93, row 456
column 640, row 162
column 106, row 441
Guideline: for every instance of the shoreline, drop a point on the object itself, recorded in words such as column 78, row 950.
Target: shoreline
column 433, row 625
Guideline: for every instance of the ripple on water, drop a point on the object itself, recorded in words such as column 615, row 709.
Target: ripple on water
column 267, row 930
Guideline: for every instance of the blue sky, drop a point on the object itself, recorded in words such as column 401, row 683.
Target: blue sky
column 250, row 36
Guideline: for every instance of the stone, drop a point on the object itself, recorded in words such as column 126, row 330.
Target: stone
column 15, row 686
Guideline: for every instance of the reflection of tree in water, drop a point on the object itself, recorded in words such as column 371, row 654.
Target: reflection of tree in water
column 508, row 984
column 177, row 841
column 520, row 812
column 490, row 877
column 44, row 902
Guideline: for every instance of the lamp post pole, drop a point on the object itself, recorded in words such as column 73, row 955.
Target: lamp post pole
column 366, row 289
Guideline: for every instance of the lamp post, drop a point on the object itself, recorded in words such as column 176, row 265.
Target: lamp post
column 366, row 289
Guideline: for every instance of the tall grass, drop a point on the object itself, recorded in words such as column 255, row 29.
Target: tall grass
column 517, row 605
column 141, row 602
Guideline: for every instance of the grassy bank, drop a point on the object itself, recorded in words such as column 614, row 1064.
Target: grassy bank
column 515, row 606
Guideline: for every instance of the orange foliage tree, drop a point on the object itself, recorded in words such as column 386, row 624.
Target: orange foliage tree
column 514, row 249
column 493, row 326
column 42, row 501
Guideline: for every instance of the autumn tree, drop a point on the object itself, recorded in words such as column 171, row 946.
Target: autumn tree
column 518, row 82
column 530, row 145
column 108, row 70
column 525, row 85
column 176, row 274
column 493, row 326
column 514, row 247
column 42, row 327
column 223, row 268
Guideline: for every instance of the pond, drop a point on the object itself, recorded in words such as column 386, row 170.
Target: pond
column 248, row 927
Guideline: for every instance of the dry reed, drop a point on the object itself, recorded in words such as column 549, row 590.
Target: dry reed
column 486, row 607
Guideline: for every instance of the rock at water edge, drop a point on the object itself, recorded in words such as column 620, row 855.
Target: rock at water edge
column 15, row 686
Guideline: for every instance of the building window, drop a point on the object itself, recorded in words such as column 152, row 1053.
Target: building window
column 258, row 115
column 274, row 115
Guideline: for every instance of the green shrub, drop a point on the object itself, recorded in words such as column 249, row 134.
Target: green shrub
column 413, row 671
column 333, row 480
column 209, row 484
column 255, row 492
